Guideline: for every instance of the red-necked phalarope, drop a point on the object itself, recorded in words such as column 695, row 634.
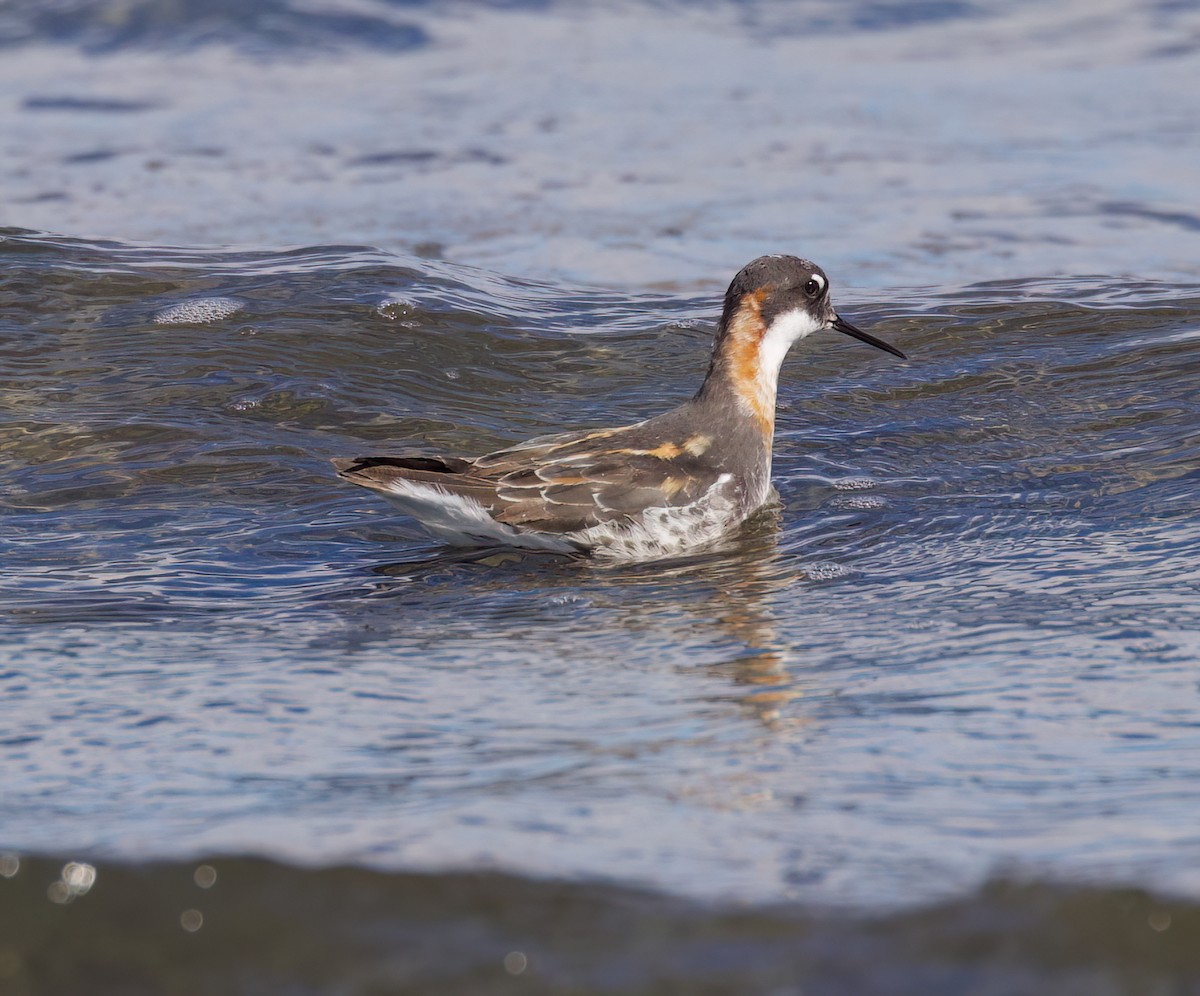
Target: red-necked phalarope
column 640, row 491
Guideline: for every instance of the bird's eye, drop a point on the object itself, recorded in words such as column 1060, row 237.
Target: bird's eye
column 814, row 285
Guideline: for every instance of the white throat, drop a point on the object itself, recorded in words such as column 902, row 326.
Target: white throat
column 784, row 331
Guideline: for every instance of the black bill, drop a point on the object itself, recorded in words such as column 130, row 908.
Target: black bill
column 844, row 326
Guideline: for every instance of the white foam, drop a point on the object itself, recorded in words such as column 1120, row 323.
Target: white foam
column 199, row 311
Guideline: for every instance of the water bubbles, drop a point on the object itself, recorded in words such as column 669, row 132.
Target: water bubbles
column 855, row 484
column 79, row 877
column 515, row 962
column 199, row 311
column 563, row 601
column 826, row 571
column 76, row 880
column 859, row 502
column 1159, row 921
column 191, row 920
column 205, row 876
column 10, row 864
column 398, row 309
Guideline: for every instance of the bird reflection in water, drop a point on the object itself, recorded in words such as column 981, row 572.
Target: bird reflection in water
column 733, row 589
column 724, row 594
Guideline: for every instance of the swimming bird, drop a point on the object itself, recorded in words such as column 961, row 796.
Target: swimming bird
column 642, row 491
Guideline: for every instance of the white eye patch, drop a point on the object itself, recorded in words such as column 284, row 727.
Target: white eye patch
column 818, row 280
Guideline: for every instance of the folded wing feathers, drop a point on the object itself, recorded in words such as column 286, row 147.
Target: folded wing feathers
column 553, row 484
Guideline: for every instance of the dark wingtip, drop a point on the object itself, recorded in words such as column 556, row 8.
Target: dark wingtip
column 413, row 461
column 346, row 466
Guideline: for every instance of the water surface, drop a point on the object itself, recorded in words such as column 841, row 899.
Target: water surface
column 963, row 639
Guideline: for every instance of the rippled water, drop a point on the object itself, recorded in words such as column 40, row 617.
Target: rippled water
column 961, row 646
column 965, row 637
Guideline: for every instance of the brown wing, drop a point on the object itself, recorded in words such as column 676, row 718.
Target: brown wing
column 559, row 483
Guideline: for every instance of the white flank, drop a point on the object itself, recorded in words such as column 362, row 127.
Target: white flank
column 655, row 533
column 666, row 532
column 462, row 521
